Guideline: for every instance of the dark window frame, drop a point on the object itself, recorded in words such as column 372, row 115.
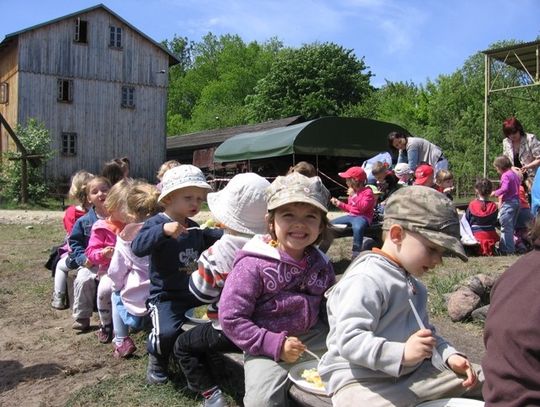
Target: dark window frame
column 64, row 93
column 69, row 143
column 4, row 93
column 81, row 31
column 115, row 37
column 128, row 97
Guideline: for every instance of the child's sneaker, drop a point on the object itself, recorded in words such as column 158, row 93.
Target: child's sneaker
column 125, row 348
column 59, row 300
column 217, row 399
column 156, row 373
column 81, row 324
column 105, row 333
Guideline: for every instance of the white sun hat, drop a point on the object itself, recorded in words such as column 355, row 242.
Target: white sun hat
column 241, row 205
column 182, row 176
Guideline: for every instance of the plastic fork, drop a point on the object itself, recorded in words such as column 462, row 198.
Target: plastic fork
column 312, row 354
column 436, row 358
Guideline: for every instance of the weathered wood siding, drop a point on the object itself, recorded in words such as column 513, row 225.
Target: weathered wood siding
column 104, row 129
column 8, row 74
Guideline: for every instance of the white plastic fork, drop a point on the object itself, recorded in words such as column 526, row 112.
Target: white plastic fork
column 436, row 358
column 312, row 354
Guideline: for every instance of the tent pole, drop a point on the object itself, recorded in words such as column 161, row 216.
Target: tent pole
column 317, row 162
column 293, row 160
column 487, row 80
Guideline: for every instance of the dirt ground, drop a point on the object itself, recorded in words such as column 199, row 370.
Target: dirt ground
column 42, row 360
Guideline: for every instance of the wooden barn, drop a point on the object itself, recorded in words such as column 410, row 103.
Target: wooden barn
column 97, row 83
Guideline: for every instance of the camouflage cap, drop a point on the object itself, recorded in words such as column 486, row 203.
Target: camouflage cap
column 428, row 212
column 296, row 187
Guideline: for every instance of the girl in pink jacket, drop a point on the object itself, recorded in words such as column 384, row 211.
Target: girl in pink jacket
column 100, row 250
column 129, row 273
column 360, row 206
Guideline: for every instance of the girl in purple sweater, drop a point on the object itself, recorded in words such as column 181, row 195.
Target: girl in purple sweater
column 271, row 300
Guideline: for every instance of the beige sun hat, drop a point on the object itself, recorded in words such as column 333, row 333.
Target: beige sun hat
column 296, row 187
column 182, row 176
column 241, row 205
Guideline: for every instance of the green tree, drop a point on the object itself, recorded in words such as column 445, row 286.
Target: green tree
column 314, row 80
column 36, row 139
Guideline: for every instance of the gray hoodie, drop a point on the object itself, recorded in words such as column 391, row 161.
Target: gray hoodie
column 370, row 321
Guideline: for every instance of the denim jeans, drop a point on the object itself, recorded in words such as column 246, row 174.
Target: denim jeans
column 358, row 224
column 508, row 214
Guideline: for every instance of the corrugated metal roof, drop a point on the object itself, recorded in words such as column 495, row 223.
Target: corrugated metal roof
column 521, row 56
column 218, row 136
column 172, row 58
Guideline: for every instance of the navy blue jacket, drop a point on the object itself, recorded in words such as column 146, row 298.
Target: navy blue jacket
column 171, row 260
column 78, row 239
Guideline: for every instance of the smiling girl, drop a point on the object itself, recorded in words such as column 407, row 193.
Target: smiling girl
column 270, row 305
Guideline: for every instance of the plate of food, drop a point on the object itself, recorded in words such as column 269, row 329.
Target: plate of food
column 305, row 376
column 198, row 315
column 452, row 402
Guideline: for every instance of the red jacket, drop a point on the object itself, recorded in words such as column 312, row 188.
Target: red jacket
column 362, row 203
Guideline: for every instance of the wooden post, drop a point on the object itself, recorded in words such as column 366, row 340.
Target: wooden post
column 24, row 159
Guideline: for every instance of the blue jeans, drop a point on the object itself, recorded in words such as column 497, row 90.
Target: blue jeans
column 358, row 224
column 508, row 214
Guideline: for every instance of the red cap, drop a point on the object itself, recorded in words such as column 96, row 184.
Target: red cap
column 422, row 173
column 357, row 173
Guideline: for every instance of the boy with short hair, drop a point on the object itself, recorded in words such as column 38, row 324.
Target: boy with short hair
column 376, row 351
column 174, row 243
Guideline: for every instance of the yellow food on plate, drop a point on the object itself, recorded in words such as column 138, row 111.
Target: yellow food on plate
column 312, row 376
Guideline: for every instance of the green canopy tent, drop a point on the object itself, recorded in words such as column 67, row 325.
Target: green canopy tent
column 327, row 136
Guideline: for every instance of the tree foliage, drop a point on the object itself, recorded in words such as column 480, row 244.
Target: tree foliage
column 313, row 81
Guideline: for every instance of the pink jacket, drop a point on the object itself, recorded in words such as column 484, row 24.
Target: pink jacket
column 130, row 273
column 361, row 203
column 103, row 235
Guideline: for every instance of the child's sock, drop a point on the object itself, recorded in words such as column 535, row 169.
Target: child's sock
column 208, row 393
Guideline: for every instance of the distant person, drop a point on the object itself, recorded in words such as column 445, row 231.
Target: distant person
column 424, row 176
column 524, row 218
column 387, row 181
column 167, row 165
column 414, row 150
column 508, row 194
column 304, row 168
column 522, row 149
column 444, row 181
column 378, row 353
column 404, row 173
column 511, row 363
column 482, row 217
column 116, row 170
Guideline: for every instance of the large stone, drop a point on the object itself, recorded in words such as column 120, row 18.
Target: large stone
column 462, row 303
column 480, row 314
column 475, row 284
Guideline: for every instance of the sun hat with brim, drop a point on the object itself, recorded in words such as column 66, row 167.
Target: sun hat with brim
column 182, row 176
column 357, row 173
column 296, row 187
column 402, row 169
column 241, row 205
column 427, row 212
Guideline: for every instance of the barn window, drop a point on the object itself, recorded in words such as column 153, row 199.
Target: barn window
column 69, row 143
column 128, row 97
column 65, row 90
column 4, row 92
column 81, row 30
column 115, row 37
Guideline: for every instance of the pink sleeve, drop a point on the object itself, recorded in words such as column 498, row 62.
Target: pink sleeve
column 96, row 243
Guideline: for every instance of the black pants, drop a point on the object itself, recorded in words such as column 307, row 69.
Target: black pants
column 194, row 349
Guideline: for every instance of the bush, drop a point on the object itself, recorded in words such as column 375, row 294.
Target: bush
column 36, row 139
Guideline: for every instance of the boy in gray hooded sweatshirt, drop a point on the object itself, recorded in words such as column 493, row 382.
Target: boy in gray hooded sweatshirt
column 377, row 353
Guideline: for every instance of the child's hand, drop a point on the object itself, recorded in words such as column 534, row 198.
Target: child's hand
column 462, row 366
column 173, row 229
column 292, row 349
column 418, row 347
column 107, row 252
column 334, row 201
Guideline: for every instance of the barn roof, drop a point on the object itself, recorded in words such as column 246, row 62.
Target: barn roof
column 173, row 60
column 217, row 136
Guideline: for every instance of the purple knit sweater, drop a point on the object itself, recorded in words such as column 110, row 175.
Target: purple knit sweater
column 268, row 295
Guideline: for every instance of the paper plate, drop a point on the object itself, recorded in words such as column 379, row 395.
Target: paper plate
column 190, row 314
column 295, row 375
column 340, row 226
column 452, row 402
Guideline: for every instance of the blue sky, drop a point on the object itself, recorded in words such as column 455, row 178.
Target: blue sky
column 400, row 40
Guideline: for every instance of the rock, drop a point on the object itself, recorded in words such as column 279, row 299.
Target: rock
column 29, row 227
column 480, row 314
column 475, row 284
column 487, row 281
column 462, row 303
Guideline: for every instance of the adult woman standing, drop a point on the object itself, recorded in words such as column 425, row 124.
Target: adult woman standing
column 414, row 150
column 523, row 149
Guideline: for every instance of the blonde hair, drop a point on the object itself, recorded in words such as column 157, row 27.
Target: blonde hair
column 142, row 201
column 78, row 190
column 304, row 168
column 167, row 165
column 443, row 175
column 502, row 162
column 118, row 194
